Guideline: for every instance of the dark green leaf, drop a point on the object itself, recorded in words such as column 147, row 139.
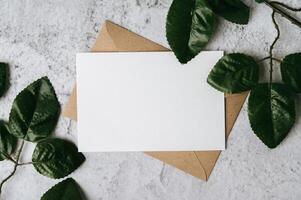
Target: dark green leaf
column 56, row 158
column 232, row 10
column 3, row 77
column 8, row 142
column 68, row 189
column 259, row 1
column 234, row 73
column 35, row 111
column 271, row 112
column 291, row 71
column 189, row 27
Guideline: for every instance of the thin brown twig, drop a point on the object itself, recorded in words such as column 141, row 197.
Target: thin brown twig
column 283, row 13
column 15, row 167
column 27, row 163
column 286, row 6
column 273, row 45
column 8, row 157
column 268, row 57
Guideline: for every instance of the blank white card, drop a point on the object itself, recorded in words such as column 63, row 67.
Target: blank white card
column 148, row 101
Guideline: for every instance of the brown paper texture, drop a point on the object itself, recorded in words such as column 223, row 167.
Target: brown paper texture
column 114, row 38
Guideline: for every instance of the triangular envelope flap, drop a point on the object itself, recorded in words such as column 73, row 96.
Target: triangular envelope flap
column 116, row 38
column 185, row 161
column 113, row 38
column 70, row 108
column 199, row 163
column 233, row 105
column 206, row 159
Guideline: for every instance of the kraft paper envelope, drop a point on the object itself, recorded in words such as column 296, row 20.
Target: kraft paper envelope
column 114, row 38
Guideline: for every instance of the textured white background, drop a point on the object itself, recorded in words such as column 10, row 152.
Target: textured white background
column 42, row 37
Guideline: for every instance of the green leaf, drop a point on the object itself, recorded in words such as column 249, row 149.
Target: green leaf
column 271, row 112
column 189, row 26
column 259, row 1
column 56, row 158
column 232, row 10
column 291, row 71
column 68, row 189
column 234, row 73
column 35, row 111
column 8, row 142
column 3, row 78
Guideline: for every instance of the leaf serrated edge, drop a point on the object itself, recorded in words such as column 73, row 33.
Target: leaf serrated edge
column 81, row 158
column 215, row 86
column 170, row 43
column 253, row 128
column 32, row 83
column 69, row 180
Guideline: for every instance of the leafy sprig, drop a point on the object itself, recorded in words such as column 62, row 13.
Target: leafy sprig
column 33, row 117
column 271, row 106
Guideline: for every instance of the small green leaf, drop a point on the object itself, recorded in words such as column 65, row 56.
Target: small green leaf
column 271, row 112
column 8, row 142
column 291, row 71
column 259, row 1
column 56, row 158
column 232, row 10
column 35, row 111
column 234, row 73
column 68, row 189
column 3, row 78
column 189, row 27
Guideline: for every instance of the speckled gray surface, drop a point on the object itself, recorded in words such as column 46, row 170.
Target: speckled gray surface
column 42, row 37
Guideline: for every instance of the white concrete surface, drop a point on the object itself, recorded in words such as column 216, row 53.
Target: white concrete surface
column 42, row 37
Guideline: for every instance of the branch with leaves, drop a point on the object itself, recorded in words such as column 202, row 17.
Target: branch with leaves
column 33, row 117
column 271, row 106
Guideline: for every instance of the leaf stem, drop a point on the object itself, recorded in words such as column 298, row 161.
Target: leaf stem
column 268, row 57
column 15, row 167
column 8, row 157
column 11, row 159
column 283, row 13
column 272, row 46
column 27, row 163
column 286, row 6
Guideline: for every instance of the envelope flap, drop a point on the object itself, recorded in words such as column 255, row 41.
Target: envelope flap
column 233, row 105
column 116, row 38
column 113, row 38
column 201, row 163
column 185, row 161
